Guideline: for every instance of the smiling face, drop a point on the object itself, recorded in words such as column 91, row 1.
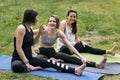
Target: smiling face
column 71, row 17
column 53, row 21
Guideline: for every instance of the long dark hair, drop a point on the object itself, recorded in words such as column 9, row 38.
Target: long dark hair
column 74, row 25
column 29, row 16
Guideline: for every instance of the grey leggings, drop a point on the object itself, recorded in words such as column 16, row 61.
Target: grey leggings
column 18, row 66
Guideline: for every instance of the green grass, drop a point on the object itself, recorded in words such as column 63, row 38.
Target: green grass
column 98, row 22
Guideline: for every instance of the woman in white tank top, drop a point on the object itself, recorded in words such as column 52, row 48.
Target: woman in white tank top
column 69, row 27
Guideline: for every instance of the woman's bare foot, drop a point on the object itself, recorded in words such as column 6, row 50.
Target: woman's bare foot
column 79, row 70
column 102, row 62
column 112, row 50
column 57, row 60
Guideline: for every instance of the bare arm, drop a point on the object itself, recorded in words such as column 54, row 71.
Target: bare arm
column 62, row 28
column 37, row 33
column 77, row 39
column 67, row 43
column 19, row 34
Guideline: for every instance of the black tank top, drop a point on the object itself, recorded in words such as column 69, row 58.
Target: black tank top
column 26, row 46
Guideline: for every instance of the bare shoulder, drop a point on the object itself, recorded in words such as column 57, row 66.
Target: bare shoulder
column 20, row 30
column 62, row 25
column 60, row 33
column 63, row 22
column 21, row 27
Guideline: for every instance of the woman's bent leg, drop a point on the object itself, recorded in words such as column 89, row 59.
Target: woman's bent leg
column 18, row 66
column 64, row 49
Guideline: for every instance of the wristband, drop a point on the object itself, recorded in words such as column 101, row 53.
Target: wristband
column 26, row 62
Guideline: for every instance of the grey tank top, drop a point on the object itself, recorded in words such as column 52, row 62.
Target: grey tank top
column 48, row 41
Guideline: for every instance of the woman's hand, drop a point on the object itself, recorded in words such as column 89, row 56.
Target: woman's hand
column 77, row 40
column 84, row 60
column 41, row 28
column 57, row 60
column 36, row 49
column 84, row 43
column 31, row 68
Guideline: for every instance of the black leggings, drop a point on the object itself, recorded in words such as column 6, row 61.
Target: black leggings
column 50, row 52
column 81, row 48
column 18, row 66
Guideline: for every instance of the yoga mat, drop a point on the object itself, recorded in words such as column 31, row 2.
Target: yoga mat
column 5, row 64
column 66, row 76
column 110, row 68
column 97, row 58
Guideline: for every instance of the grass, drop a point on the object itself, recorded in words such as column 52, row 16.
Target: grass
column 98, row 22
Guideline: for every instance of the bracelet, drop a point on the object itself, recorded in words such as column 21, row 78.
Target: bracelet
column 26, row 62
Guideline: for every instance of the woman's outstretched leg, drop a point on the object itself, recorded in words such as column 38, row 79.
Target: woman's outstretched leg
column 112, row 50
column 79, row 70
column 101, row 64
column 64, row 68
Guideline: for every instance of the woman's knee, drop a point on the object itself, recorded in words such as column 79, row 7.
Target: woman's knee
column 18, row 67
column 64, row 49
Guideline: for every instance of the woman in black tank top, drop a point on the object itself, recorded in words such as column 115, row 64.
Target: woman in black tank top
column 22, row 59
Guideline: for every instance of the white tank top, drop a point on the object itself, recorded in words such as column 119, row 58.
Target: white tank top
column 69, row 35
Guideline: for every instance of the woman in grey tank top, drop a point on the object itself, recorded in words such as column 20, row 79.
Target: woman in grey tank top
column 48, row 38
